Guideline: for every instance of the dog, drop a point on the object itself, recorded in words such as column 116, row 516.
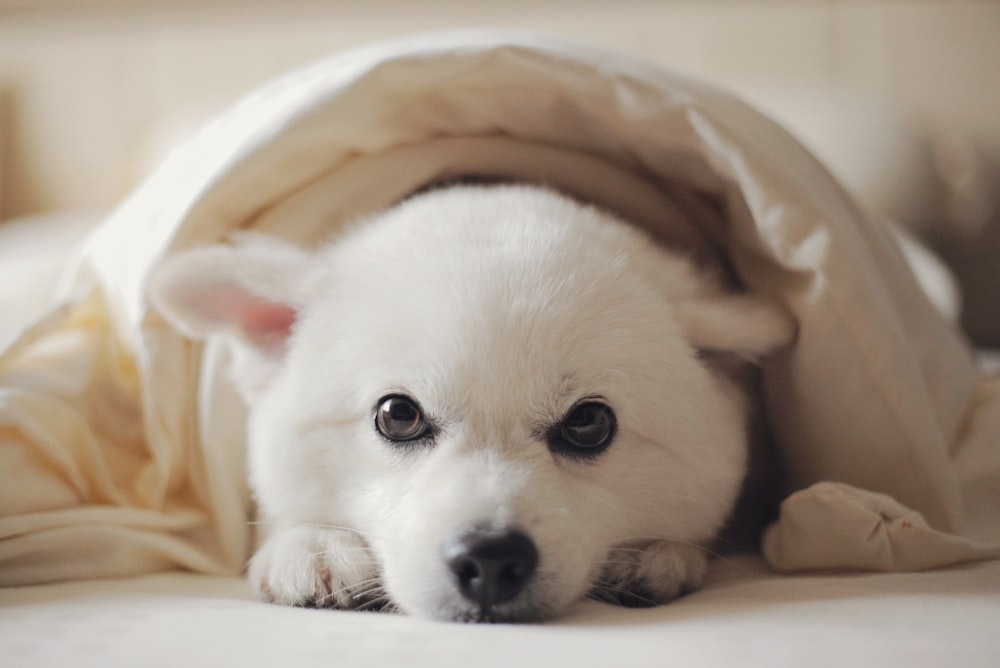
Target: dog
column 482, row 404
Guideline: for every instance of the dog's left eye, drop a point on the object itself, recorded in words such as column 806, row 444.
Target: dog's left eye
column 587, row 430
column 399, row 418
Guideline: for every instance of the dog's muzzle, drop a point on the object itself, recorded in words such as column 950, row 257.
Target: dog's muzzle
column 491, row 567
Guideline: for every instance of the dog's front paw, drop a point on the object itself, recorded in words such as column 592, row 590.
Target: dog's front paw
column 645, row 574
column 316, row 567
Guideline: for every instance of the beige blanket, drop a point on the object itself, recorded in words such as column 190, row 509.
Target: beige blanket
column 121, row 443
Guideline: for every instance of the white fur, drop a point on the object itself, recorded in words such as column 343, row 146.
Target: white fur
column 497, row 309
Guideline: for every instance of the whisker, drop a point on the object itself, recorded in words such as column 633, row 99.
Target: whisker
column 608, row 592
column 318, row 525
column 354, row 548
column 627, row 544
column 363, row 587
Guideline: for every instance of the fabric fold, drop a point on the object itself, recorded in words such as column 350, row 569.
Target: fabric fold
column 836, row 527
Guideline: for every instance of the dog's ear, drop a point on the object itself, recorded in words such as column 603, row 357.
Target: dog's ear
column 747, row 326
column 250, row 294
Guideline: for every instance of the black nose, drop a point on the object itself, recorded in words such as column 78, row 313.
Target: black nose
column 491, row 567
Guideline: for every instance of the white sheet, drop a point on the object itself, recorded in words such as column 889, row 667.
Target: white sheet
column 744, row 617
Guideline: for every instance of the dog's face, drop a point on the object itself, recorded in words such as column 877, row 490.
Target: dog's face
column 496, row 392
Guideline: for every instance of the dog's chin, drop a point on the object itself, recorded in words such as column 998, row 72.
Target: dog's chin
column 505, row 614
column 527, row 608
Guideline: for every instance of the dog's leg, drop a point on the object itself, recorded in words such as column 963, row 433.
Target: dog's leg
column 645, row 574
column 316, row 567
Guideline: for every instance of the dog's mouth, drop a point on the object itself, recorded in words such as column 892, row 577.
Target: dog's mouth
column 524, row 609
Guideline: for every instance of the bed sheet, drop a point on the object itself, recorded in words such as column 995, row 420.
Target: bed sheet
column 744, row 617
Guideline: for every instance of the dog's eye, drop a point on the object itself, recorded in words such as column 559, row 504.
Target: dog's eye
column 585, row 431
column 399, row 418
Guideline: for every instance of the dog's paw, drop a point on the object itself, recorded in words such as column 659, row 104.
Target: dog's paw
column 316, row 567
column 641, row 575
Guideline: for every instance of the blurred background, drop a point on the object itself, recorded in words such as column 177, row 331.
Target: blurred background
column 899, row 97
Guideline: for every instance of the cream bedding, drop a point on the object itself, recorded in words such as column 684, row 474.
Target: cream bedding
column 744, row 617
column 121, row 443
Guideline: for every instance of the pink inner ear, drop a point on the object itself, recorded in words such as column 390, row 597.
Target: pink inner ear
column 267, row 324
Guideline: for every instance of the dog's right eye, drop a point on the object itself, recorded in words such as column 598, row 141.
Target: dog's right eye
column 399, row 418
column 585, row 432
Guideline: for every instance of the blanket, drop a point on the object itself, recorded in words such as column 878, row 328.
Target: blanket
column 121, row 443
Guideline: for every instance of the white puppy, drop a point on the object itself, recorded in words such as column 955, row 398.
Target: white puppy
column 480, row 405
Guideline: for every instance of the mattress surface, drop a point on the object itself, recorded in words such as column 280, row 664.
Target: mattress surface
column 744, row 617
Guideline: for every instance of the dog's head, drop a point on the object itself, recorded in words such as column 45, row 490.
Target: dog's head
column 495, row 387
